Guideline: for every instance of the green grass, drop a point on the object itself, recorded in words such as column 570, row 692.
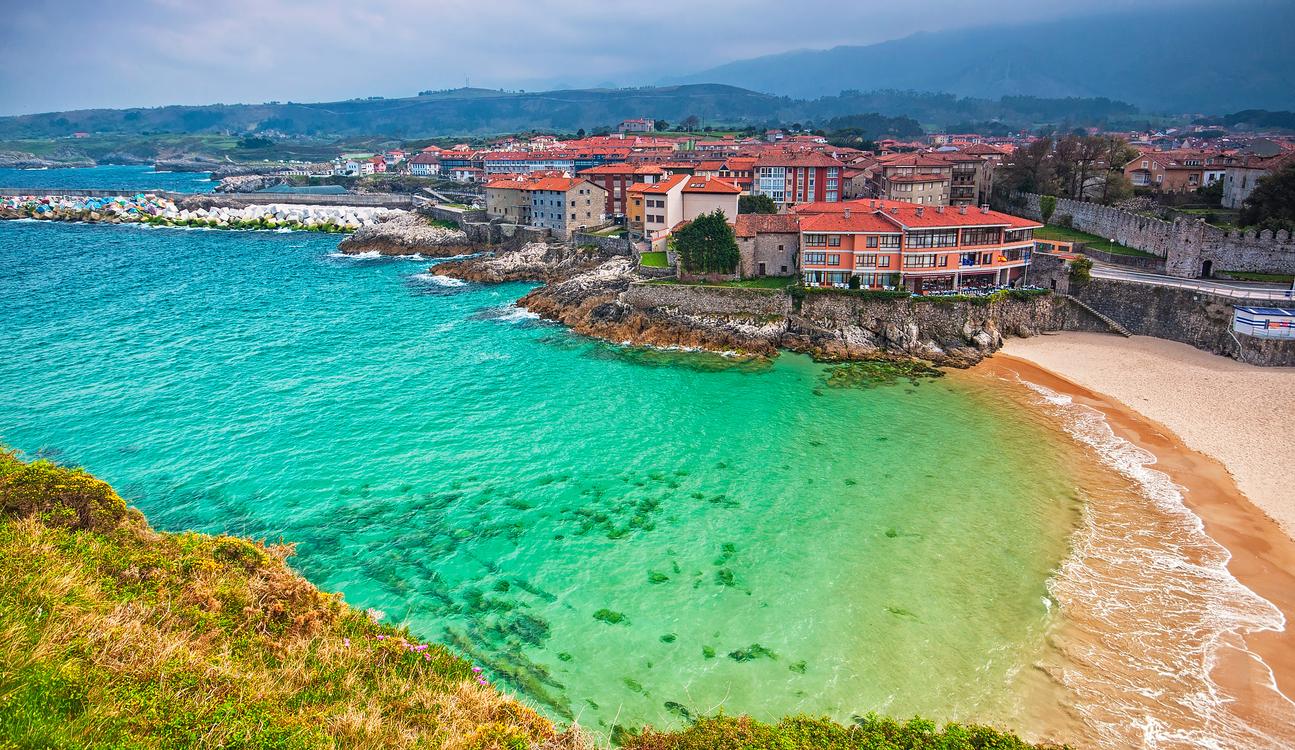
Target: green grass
column 654, row 260
column 610, row 232
column 1276, row 278
column 1091, row 240
column 763, row 282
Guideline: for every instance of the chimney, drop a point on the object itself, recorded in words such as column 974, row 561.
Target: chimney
column 984, row 208
column 894, row 210
column 847, row 212
column 939, row 209
column 920, row 211
column 962, row 210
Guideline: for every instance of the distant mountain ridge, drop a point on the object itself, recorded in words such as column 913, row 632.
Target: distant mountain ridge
column 482, row 112
column 1213, row 58
column 456, row 111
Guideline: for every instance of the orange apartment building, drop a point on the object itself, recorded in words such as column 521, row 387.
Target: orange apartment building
column 892, row 244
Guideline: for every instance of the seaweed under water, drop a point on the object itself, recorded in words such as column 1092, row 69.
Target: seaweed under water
column 878, row 372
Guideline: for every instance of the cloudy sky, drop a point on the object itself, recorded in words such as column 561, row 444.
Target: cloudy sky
column 76, row 54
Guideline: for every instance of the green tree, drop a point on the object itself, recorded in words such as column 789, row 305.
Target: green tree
column 756, row 204
column 1272, row 203
column 661, row 125
column 580, row 133
column 691, row 122
column 707, row 245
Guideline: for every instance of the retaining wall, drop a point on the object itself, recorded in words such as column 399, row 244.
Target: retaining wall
column 606, row 245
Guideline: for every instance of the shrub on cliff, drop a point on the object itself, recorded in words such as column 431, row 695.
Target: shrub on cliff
column 812, row 733
column 58, row 497
column 707, row 245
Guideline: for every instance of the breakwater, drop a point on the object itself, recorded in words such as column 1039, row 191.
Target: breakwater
column 96, row 206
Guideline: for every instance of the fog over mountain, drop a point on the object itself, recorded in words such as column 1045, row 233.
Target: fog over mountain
column 1220, row 57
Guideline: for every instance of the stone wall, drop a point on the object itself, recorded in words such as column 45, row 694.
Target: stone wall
column 509, row 235
column 941, row 320
column 708, row 300
column 606, row 245
column 1187, row 245
column 458, row 216
column 777, row 250
column 1196, row 318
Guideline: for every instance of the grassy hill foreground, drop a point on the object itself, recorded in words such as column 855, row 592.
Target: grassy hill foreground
column 114, row 635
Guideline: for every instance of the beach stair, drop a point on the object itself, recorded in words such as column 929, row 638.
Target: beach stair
column 1111, row 323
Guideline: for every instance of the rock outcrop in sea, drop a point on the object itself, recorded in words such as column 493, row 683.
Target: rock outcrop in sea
column 607, row 298
column 408, row 234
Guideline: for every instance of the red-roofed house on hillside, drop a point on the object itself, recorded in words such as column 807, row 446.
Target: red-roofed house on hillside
column 1177, row 171
column 798, row 177
column 888, row 244
column 654, row 210
column 425, row 164
column 640, row 125
column 616, row 179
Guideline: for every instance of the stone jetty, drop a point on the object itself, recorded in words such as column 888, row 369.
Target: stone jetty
column 197, row 211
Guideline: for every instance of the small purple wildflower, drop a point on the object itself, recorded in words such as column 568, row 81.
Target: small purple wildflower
column 346, row 642
column 477, row 670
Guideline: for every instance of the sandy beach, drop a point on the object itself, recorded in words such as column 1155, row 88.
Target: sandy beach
column 1239, row 414
column 1219, row 430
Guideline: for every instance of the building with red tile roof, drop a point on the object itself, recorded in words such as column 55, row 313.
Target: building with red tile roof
column 654, row 209
column 789, row 177
column 889, row 244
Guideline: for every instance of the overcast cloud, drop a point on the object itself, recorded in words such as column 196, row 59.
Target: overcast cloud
column 76, row 55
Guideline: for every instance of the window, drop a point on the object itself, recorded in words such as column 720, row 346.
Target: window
column 933, row 238
column 834, row 241
column 890, row 240
column 872, row 241
column 920, row 261
column 1145, row 164
column 816, row 258
column 815, row 240
column 833, row 259
column 980, row 236
column 871, row 260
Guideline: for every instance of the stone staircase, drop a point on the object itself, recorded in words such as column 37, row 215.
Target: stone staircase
column 1111, row 323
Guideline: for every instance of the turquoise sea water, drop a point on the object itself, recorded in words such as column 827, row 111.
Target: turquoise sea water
column 131, row 178
column 771, row 545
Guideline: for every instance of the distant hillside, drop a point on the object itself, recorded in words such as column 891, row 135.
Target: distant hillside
column 457, row 112
column 1213, row 58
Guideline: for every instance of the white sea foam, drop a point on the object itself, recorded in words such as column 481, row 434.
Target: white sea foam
column 366, row 255
column 431, row 278
column 1159, row 606
column 514, row 314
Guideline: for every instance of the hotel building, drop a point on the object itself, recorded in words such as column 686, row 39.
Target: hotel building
column 890, row 244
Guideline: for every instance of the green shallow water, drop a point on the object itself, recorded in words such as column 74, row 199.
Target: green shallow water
column 495, row 482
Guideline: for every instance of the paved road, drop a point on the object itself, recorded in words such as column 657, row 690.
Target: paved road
column 1238, row 289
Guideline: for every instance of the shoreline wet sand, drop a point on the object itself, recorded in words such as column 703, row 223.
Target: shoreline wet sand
column 1252, row 672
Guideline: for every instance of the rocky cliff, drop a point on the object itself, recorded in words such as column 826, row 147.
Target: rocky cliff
column 408, row 234
column 608, row 299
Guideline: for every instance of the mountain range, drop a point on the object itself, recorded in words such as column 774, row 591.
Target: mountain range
column 1219, row 57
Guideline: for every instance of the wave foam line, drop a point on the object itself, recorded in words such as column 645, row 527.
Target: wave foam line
column 1155, row 606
